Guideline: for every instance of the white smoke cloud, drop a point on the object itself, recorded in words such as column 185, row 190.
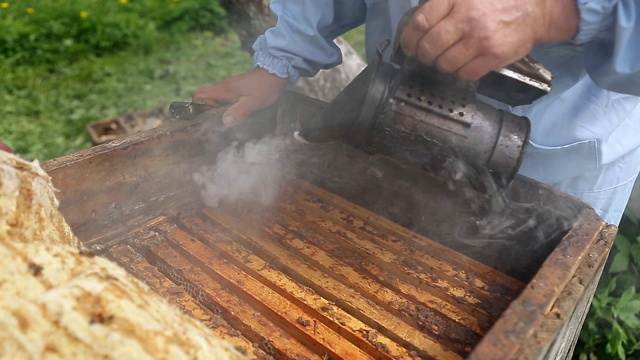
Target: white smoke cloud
column 251, row 173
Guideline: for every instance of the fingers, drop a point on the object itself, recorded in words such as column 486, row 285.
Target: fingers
column 471, row 38
column 455, row 58
column 213, row 95
column 425, row 19
column 438, row 41
column 239, row 111
column 481, row 65
column 467, row 64
column 475, row 69
column 246, row 93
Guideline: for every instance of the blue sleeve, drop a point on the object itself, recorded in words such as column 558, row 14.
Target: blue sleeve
column 610, row 32
column 301, row 43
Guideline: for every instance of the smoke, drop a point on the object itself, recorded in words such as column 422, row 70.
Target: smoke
column 252, row 173
column 512, row 229
column 462, row 207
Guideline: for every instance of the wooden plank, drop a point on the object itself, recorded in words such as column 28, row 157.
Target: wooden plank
column 393, row 261
column 127, row 179
column 296, row 322
column 352, row 329
column 135, row 232
column 241, row 315
column 557, row 334
column 524, row 314
column 450, row 263
column 320, row 282
column 136, row 264
column 411, row 303
column 441, row 320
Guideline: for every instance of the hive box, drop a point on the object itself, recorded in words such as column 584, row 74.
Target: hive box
column 354, row 256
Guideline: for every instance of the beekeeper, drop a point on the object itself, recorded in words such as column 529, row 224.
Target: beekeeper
column 585, row 137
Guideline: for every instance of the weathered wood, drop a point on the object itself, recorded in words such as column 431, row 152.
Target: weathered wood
column 560, row 327
column 124, row 180
column 328, row 83
column 213, row 292
column 273, row 305
column 322, row 283
column 59, row 302
column 316, row 306
column 248, row 18
column 137, row 265
column 400, row 239
column 408, row 254
column 525, row 314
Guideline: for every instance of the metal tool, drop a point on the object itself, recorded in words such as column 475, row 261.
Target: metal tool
column 414, row 113
column 188, row 110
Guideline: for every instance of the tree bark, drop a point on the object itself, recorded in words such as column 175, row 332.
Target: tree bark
column 251, row 18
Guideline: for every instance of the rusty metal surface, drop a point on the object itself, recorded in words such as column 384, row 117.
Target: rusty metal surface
column 423, row 118
column 428, row 124
column 316, row 277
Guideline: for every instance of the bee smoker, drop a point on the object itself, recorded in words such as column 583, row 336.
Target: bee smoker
column 419, row 116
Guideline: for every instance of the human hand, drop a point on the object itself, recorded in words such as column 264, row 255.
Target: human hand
column 5, row 147
column 247, row 92
column 471, row 38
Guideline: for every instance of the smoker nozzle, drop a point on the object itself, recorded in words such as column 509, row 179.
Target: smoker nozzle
column 352, row 114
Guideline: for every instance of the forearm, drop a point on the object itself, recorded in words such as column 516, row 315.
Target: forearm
column 301, row 43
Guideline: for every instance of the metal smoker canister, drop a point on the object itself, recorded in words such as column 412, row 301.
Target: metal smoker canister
column 424, row 118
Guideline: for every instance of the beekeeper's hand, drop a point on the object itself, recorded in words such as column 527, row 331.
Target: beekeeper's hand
column 246, row 92
column 471, row 38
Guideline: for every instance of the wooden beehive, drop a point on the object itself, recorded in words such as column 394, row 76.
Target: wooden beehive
column 388, row 265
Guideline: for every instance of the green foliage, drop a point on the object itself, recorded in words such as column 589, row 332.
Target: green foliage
column 53, row 31
column 44, row 113
column 69, row 62
column 612, row 327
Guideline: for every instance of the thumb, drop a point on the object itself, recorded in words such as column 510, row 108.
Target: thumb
column 239, row 111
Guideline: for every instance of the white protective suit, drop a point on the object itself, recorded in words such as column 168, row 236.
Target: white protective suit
column 585, row 136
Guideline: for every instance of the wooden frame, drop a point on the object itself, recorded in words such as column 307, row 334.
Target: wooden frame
column 112, row 187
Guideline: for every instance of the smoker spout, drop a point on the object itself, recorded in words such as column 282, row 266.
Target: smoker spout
column 352, row 114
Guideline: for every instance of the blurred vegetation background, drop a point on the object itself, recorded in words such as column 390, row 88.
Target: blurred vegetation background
column 70, row 62
column 66, row 63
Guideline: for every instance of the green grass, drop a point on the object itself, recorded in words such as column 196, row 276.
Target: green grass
column 44, row 109
column 355, row 38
